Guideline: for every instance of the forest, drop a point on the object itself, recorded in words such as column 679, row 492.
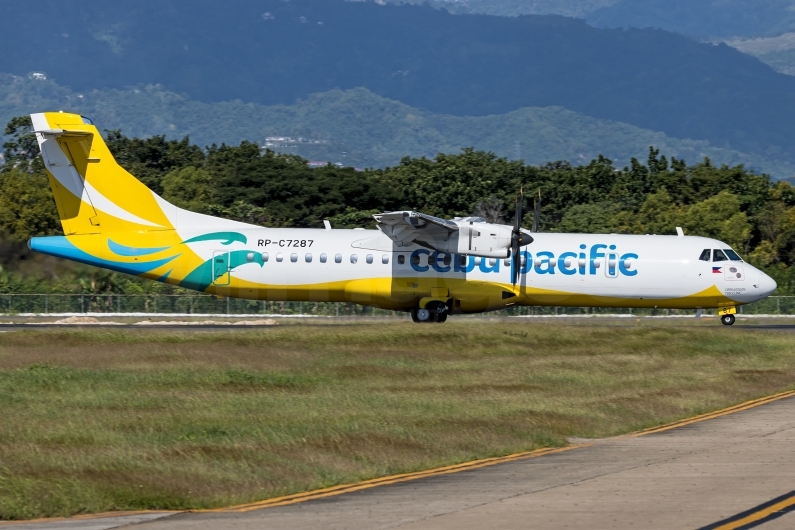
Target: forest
column 753, row 213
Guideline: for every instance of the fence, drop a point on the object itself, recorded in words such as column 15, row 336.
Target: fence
column 211, row 305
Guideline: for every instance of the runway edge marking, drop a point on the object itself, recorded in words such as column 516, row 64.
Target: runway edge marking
column 715, row 414
column 383, row 481
column 393, row 479
column 758, row 515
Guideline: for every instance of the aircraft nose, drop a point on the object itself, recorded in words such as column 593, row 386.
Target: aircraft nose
column 766, row 284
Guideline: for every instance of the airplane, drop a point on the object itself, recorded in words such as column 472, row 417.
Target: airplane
column 413, row 262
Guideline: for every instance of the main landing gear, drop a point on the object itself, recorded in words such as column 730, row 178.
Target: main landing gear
column 727, row 320
column 433, row 312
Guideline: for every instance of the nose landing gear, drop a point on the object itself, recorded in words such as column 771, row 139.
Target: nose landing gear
column 727, row 320
column 433, row 312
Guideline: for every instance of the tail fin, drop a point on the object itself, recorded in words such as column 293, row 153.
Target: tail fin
column 93, row 193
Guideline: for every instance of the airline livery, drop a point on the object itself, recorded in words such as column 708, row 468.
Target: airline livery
column 414, row 262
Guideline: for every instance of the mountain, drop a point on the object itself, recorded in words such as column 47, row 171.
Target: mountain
column 513, row 8
column 778, row 52
column 274, row 52
column 701, row 18
column 359, row 128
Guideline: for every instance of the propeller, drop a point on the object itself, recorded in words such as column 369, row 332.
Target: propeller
column 537, row 212
column 518, row 238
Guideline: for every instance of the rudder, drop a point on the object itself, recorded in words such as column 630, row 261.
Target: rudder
column 93, row 193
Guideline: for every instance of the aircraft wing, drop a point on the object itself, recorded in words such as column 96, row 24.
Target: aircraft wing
column 407, row 228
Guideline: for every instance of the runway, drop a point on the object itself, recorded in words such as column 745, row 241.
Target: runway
column 730, row 471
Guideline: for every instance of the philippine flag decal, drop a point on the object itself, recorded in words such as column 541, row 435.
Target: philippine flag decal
column 716, row 270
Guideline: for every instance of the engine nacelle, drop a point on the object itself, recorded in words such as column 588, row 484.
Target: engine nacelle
column 480, row 239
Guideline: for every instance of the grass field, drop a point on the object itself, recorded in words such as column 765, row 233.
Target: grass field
column 107, row 419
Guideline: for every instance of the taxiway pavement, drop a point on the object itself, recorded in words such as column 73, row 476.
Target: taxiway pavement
column 693, row 476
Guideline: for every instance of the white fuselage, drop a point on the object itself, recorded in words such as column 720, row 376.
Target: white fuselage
column 613, row 270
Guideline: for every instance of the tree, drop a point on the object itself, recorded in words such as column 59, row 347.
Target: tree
column 718, row 217
column 22, row 149
column 190, row 188
column 27, row 208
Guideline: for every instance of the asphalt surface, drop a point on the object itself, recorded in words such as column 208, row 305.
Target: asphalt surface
column 688, row 477
column 679, row 322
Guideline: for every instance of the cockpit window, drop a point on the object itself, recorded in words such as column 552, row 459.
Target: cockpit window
column 718, row 255
column 705, row 254
column 732, row 254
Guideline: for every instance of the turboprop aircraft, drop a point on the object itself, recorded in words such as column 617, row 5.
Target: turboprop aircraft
column 413, row 262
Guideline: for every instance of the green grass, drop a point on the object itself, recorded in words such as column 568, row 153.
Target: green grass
column 95, row 420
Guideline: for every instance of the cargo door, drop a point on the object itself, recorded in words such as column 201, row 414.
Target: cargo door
column 611, row 263
column 221, row 274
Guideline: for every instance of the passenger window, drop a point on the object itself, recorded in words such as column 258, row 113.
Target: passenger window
column 507, row 262
column 401, row 259
column 279, row 257
column 492, row 262
column 431, row 260
column 385, row 259
column 308, row 257
column 705, row 255
column 462, row 261
column 294, row 257
column 415, row 260
column 337, row 258
column 446, row 260
column 323, row 258
column 250, row 257
column 265, row 257
column 354, row 258
column 369, row 259
column 732, row 254
column 718, row 255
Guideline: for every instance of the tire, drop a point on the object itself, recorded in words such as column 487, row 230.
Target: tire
column 441, row 318
column 727, row 320
column 421, row 315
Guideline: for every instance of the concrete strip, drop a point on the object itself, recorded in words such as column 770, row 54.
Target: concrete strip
column 687, row 477
column 90, row 523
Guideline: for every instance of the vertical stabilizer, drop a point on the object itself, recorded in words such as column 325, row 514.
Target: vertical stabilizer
column 94, row 194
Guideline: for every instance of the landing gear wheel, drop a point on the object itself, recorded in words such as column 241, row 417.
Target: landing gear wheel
column 421, row 315
column 438, row 311
column 727, row 320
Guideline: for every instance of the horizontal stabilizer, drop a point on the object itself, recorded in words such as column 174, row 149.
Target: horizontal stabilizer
column 61, row 133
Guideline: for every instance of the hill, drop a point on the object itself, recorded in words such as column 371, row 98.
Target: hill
column 359, row 128
column 702, row 18
column 514, row 8
column 273, row 52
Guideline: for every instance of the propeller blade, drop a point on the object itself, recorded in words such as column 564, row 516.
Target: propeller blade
column 516, row 236
column 537, row 213
column 517, row 219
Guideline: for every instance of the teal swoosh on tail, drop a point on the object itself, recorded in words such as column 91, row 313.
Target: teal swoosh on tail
column 202, row 276
column 61, row 247
column 129, row 252
column 226, row 238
